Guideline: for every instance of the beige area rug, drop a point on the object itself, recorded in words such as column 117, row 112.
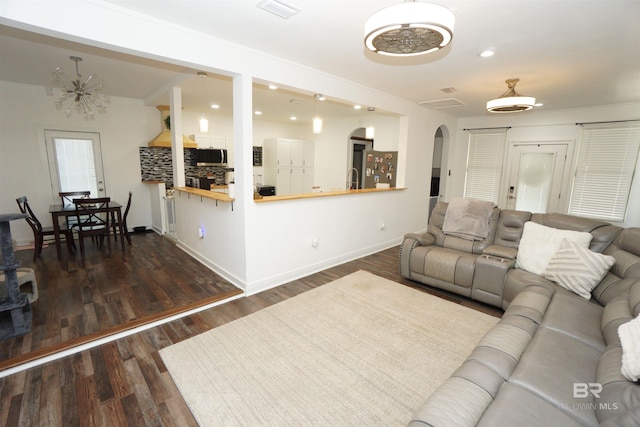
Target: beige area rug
column 361, row 350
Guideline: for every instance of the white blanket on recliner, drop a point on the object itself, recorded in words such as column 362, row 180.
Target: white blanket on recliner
column 468, row 218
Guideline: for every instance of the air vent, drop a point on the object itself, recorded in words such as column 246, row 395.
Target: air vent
column 278, row 7
column 442, row 103
column 448, row 89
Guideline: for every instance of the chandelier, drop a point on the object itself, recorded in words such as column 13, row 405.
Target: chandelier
column 78, row 94
column 409, row 29
column 511, row 101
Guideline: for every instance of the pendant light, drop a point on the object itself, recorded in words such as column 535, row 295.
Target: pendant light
column 203, row 122
column 370, row 131
column 409, row 29
column 317, row 121
column 511, row 101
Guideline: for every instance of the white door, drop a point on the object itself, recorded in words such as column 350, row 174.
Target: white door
column 75, row 162
column 535, row 180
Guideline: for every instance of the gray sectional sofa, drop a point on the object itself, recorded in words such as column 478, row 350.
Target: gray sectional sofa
column 555, row 358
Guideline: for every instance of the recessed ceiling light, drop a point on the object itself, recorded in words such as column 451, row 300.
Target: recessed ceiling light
column 215, row 106
column 357, row 107
column 487, row 53
column 293, row 118
column 258, row 113
column 273, row 87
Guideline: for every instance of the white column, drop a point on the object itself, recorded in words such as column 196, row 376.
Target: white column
column 177, row 148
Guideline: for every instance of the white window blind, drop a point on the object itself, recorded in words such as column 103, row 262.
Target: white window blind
column 606, row 163
column 484, row 164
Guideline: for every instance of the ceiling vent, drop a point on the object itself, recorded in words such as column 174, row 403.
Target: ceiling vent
column 278, row 7
column 442, row 103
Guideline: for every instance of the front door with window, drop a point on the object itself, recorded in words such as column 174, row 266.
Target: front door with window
column 75, row 162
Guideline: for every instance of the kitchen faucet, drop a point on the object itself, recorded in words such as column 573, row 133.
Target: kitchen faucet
column 349, row 180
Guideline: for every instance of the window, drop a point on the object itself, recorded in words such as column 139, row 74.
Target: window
column 607, row 158
column 484, row 164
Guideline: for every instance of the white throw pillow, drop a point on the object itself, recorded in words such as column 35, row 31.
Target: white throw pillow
column 539, row 244
column 578, row 269
column 629, row 334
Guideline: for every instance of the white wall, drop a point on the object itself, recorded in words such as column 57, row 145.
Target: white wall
column 545, row 125
column 25, row 111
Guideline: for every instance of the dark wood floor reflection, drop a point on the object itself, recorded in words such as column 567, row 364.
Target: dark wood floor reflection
column 125, row 382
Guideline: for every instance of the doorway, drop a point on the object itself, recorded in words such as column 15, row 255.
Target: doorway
column 535, row 179
column 358, row 145
column 75, row 162
column 435, row 192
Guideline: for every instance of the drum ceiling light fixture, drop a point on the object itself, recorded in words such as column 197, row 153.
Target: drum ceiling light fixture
column 409, row 29
column 511, row 101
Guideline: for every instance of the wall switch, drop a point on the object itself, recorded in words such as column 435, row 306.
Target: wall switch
column 201, row 232
column 314, row 242
column 382, row 226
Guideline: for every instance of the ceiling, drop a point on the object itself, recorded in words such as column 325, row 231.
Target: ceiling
column 566, row 53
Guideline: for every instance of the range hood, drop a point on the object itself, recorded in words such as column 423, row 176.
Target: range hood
column 164, row 139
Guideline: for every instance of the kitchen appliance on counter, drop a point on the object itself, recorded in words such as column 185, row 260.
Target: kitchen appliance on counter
column 266, row 190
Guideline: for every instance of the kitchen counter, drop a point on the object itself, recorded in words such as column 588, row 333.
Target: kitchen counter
column 215, row 195
column 326, row 194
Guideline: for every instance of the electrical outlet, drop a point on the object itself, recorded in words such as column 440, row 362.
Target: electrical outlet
column 382, row 226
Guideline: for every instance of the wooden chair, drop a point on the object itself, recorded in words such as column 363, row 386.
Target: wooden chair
column 93, row 220
column 40, row 232
column 66, row 197
column 116, row 225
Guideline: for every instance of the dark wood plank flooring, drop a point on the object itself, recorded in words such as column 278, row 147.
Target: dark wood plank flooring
column 125, row 383
column 79, row 303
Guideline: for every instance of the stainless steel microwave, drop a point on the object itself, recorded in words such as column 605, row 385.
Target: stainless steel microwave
column 211, row 157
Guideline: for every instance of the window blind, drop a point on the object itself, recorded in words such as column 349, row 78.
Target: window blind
column 484, row 164
column 607, row 158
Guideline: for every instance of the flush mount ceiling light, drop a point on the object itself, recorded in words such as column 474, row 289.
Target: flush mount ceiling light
column 511, row 101
column 85, row 95
column 409, row 29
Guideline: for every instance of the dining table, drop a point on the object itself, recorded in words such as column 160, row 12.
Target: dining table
column 59, row 210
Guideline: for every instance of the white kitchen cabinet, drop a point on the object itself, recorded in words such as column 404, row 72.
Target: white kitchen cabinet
column 288, row 164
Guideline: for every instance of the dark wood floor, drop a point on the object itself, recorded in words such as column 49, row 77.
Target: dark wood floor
column 80, row 302
column 125, row 382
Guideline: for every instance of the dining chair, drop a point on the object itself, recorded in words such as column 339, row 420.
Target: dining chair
column 92, row 218
column 40, row 232
column 116, row 225
column 66, row 198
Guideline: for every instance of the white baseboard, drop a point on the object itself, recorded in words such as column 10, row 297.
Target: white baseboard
column 288, row 276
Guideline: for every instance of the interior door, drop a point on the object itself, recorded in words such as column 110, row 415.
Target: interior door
column 75, row 162
column 535, row 180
